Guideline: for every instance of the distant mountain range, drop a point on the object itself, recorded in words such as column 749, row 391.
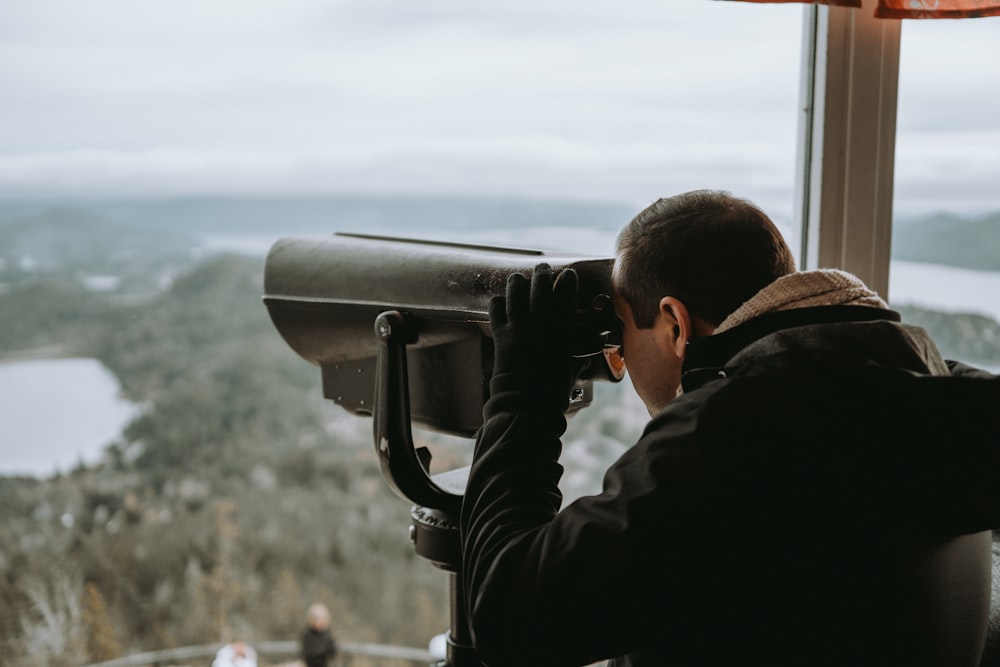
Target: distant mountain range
column 265, row 215
column 73, row 235
column 77, row 230
column 966, row 242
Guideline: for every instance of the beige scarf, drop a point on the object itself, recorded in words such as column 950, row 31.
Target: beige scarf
column 824, row 287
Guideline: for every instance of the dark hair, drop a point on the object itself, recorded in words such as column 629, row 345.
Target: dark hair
column 707, row 248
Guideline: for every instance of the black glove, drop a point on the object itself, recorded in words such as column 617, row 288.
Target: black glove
column 532, row 332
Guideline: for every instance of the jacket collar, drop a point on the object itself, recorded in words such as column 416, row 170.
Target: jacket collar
column 707, row 356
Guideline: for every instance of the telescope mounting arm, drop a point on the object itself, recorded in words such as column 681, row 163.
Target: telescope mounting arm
column 400, row 460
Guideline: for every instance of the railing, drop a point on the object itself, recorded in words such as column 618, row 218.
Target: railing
column 270, row 653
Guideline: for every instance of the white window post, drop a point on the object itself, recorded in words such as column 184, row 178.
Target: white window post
column 846, row 146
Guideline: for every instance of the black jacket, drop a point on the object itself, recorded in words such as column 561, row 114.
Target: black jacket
column 317, row 647
column 818, row 495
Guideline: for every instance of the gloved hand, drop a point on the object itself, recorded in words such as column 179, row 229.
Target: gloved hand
column 532, row 332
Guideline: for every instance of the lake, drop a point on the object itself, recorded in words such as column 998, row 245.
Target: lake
column 58, row 412
column 945, row 288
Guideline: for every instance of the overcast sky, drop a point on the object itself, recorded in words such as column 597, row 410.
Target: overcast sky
column 601, row 100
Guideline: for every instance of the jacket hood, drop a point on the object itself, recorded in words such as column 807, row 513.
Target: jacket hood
column 817, row 337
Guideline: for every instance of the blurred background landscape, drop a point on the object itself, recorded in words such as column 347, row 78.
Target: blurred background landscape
column 170, row 474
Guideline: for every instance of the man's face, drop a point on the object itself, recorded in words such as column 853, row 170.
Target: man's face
column 652, row 364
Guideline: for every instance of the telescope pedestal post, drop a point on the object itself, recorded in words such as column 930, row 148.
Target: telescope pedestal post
column 434, row 535
column 434, row 529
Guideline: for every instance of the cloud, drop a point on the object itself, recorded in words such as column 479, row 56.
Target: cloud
column 947, row 170
column 532, row 166
column 567, row 99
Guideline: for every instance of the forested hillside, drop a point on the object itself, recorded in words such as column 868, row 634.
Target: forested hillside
column 235, row 500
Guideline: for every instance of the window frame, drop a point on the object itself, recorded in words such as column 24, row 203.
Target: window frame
column 846, row 142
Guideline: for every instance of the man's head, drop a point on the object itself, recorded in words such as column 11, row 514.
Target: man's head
column 682, row 265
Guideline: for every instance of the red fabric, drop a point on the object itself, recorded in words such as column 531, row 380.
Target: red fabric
column 915, row 9
column 832, row 3
column 936, row 9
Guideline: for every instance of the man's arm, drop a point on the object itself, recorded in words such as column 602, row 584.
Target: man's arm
column 605, row 576
column 544, row 586
column 513, row 484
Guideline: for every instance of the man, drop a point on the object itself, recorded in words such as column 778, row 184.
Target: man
column 815, row 486
column 317, row 647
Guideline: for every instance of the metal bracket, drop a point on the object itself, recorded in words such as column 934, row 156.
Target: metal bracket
column 401, row 461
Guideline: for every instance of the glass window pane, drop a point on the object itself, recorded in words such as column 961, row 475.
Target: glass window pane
column 946, row 234
column 586, row 103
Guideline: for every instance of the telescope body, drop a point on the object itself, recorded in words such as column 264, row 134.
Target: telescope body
column 324, row 295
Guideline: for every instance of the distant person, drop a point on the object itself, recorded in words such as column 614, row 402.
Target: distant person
column 318, row 647
column 236, row 654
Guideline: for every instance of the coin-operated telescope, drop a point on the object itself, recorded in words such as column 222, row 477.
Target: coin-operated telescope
column 400, row 331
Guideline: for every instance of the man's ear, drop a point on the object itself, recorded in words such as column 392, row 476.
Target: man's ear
column 679, row 323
